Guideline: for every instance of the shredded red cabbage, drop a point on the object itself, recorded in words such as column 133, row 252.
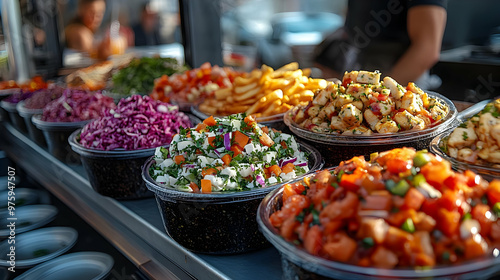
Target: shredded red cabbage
column 19, row 95
column 43, row 97
column 77, row 105
column 138, row 122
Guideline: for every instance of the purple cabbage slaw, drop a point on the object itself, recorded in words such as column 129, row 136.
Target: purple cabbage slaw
column 138, row 122
column 43, row 97
column 77, row 105
column 19, row 95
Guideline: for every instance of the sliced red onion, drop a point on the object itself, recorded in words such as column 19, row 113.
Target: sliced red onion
column 252, row 167
column 190, row 165
column 260, row 179
column 301, row 164
column 217, row 152
column 285, row 162
column 227, row 141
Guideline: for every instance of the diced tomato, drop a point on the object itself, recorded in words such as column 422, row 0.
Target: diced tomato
column 371, row 184
column 382, row 97
column 240, row 139
column 179, row 159
column 288, row 191
column 289, row 167
column 398, row 218
column 493, row 191
column 455, row 181
column 275, row 169
column 397, row 165
column 292, row 189
column 194, row 187
column 210, row 121
column 226, row 159
column 283, row 144
column 396, row 239
column 451, row 201
column 430, row 207
column 482, row 213
column 447, row 221
column 475, row 247
column 424, row 260
column 236, row 150
column 472, row 178
column 351, row 182
column 375, row 108
column 266, row 140
column 413, row 199
column 206, row 186
column 211, row 140
column 201, row 127
column 267, row 174
column 208, row 171
column 436, row 172
column 346, row 82
column 250, row 120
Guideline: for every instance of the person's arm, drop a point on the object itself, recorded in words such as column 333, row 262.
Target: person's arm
column 426, row 26
column 79, row 39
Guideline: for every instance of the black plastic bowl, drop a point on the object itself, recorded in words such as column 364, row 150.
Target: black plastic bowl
column 216, row 223
column 117, row 173
column 34, row 133
column 56, row 135
column 337, row 147
column 14, row 116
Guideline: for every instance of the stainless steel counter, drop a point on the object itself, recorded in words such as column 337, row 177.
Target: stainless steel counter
column 133, row 227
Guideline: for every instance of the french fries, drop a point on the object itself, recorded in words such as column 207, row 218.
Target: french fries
column 265, row 92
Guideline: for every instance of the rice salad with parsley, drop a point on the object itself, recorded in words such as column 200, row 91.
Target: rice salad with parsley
column 231, row 153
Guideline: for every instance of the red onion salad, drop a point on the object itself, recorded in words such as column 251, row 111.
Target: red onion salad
column 77, row 105
column 138, row 122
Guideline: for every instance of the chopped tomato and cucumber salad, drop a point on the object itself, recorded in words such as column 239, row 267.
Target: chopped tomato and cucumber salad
column 402, row 208
column 232, row 153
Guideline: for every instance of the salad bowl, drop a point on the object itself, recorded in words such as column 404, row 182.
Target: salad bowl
column 220, row 219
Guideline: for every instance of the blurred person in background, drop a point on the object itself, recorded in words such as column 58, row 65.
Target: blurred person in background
column 81, row 30
column 401, row 38
column 146, row 31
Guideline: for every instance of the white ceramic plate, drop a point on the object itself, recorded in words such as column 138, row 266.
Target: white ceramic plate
column 23, row 196
column 75, row 266
column 28, row 218
column 38, row 246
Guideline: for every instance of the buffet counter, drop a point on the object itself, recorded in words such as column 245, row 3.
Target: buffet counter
column 134, row 227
